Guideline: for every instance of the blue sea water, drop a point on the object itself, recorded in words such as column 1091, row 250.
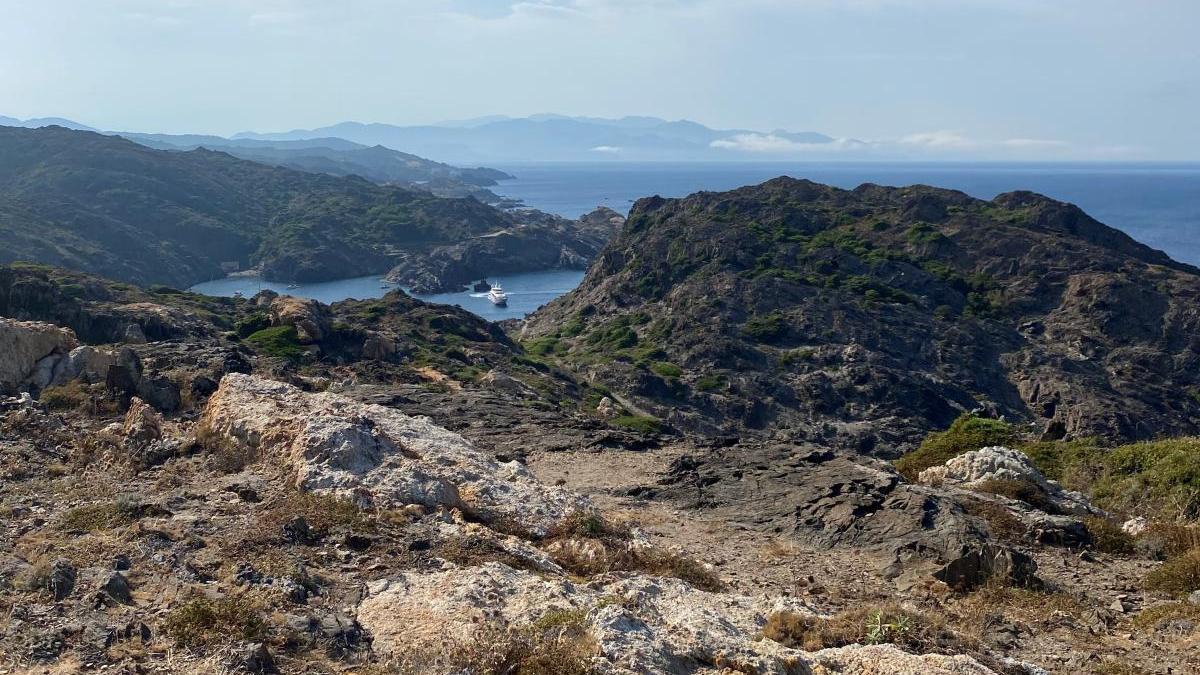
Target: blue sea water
column 526, row 292
column 1157, row 204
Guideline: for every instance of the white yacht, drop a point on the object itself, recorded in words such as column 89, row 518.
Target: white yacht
column 497, row 295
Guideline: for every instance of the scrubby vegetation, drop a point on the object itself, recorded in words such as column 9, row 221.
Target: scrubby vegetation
column 967, row 433
column 279, row 341
column 1177, row 576
column 639, row 423
column 207, row 621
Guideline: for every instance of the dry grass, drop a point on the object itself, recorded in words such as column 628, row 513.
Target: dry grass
column 1000, row 521
column 103, row 516
column 781, row 549
column 1108, row 537
column 1176, row 576
column 1020, row 490
column 914, row 631
column 1114, row 667
column 560, row 643
column 223, row 454
column 1155, row 617
column 1163, row 540
column 586, row 545
column 1022, row 604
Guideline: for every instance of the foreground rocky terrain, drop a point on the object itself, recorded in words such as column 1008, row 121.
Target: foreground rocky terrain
column 197, row 485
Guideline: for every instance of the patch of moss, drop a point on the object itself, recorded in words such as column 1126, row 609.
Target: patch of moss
column 770, row 327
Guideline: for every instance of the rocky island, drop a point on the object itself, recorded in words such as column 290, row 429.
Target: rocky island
column 783, row 429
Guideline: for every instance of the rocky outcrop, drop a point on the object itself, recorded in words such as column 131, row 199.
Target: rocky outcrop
column 979, row 467
column 538, row 241
column 32, row 354
column 865, row 318
column 831, row 500
column 379, row 456
column 310, row 318
column 639, row 624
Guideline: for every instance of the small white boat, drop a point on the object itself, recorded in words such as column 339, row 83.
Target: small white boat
column 497, row 295
column 293, row 285
column 237, row 294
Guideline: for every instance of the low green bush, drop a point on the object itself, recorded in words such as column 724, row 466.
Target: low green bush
column 967, row 433
column 666, row 369
column 639, row 423
column 281, row 342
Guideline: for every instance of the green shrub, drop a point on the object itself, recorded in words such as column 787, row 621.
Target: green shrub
column 281, row 342
column 544, row 346
column 709, row 383
column 768, row 327
column 251, row 324
column 204, row 621
column 666, row 369
column 1154, row 478
column 639, row 423
column 967, row 433
column 1076, row 464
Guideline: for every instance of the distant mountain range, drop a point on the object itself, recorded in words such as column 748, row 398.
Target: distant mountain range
column 560, row 138
column 39, row 122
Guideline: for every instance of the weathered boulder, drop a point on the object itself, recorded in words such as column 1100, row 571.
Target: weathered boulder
column 379, row 347
column 380, row 456
column 31, row 352
column 310, row 318
column 996, row 463
column 142, row 424
column 891, row 660
column 160, row 392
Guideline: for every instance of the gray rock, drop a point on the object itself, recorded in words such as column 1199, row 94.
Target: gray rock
column 160, row 392
column 117, row 588
column 256, row 658
column 1194, row 597
column 62, row 578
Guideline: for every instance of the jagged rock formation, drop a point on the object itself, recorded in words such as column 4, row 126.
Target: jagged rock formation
column 864, row 318
column 537, row 241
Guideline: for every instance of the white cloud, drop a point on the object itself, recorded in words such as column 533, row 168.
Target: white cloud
column 938, row 139
column 606, row 149
column 1033, row 143
column 771, row 143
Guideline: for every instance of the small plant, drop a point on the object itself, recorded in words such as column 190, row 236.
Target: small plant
column 665, row 369
column 883, row 628
column 709, row 383
column 639, row 423
column 206, row 621
column 94, row 517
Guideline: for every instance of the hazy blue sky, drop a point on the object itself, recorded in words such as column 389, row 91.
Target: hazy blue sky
column 1082, row 78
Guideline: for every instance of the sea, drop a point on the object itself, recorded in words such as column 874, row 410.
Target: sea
column 1155, row 203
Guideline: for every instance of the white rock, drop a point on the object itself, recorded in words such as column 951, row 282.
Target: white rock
column 1135, row 526
column 640, row 624
column 890, row 660
column 973, row 469
column 380, row 456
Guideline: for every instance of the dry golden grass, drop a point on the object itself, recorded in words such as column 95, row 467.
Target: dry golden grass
column 1022, row 604
column 912, row 630
column 1177, row 576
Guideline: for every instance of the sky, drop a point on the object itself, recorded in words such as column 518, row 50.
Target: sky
column 1083, row 79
